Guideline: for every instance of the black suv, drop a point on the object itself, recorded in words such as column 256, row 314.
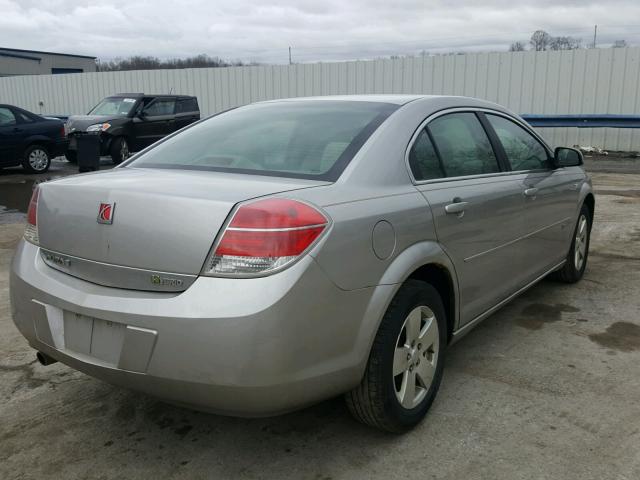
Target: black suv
column 29, row 140
column 129, row 122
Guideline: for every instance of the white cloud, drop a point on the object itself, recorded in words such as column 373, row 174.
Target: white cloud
column 317, row 30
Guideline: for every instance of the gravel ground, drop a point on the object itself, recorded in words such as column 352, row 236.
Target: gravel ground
column 546, row 388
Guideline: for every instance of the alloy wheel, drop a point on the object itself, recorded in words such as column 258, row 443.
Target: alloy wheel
column 124, row 150
column 38, row 159
column 580, row 244
column 415, row 356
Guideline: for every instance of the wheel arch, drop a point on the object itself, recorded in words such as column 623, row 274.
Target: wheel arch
column 439, row 277
column 590, row 202
column 426, row 261
column 39, row 140
column 429, row 262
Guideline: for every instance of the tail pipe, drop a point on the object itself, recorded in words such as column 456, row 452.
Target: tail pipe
column 45, row 359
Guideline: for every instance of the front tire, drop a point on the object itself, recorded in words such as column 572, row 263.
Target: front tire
column 573, row 269
column 36, row 159
column 406, row 361
column 119, row 150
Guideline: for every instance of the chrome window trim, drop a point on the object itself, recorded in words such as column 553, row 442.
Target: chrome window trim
column 447, row 111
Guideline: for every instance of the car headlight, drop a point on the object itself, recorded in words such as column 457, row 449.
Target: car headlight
column 98, row 127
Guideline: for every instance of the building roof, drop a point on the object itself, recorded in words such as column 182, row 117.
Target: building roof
column 26, row 52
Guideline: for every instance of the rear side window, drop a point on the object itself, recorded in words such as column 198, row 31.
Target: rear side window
column 7, row 117
column 463, row 145
column 23, row 117
column 186, row 105
column 423, row 159
column 523, row 150
column 160, row 106
column 299, row 139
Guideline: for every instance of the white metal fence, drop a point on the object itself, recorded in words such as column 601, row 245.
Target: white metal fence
column 559, row 82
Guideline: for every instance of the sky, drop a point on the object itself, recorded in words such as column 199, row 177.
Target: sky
column 316, row 30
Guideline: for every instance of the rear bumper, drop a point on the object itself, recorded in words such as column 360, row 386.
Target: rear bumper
column 59, row 147
column 247, row 347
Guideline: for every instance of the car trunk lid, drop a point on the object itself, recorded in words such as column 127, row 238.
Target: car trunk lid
column 161, row 221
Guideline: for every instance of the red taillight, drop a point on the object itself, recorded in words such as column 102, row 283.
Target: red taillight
column 266, row 235
column 63, row 132
column 33, row 207
column 276, row 213
column 31, row 232
column 249, row 243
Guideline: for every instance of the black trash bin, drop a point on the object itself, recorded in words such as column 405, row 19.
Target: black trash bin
column 88, row 152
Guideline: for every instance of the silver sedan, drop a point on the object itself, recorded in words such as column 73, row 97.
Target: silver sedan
column 288, row 251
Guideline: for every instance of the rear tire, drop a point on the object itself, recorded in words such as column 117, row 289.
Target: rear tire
column 71, row 156
column 36, row 159
column 573, row 269
column 404, row 369
column 119, row 150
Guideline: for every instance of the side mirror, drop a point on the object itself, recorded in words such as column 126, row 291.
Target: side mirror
column 567, row 157
column 141, row 115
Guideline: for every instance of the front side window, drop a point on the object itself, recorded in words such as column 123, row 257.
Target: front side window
column 301, row 139
column 7, row 118
column 463, row 145
column 523, row 150
column 423, row 159
column 114, row 106
column 159, row 107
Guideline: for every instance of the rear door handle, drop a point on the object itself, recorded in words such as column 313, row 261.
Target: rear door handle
column 531, row 192
column 456, row 207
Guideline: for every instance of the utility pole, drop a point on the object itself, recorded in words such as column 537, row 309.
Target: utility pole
column 595, row 33
column 289, row 55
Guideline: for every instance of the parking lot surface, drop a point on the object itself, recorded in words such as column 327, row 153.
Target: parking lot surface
column 546, row 388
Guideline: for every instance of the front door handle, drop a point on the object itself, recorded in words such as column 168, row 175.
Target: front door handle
column 456, row 207
column 531, row 192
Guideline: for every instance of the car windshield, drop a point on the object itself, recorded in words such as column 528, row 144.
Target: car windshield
column 114, row 106
column 301, row 139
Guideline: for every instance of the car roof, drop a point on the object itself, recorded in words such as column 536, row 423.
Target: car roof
column 394, row 99
column 399, row 100
column 149, row 95
column 6, row 105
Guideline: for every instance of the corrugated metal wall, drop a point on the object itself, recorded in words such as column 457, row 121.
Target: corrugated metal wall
column 576, row 81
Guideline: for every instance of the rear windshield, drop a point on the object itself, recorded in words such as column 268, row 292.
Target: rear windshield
column 299, row 139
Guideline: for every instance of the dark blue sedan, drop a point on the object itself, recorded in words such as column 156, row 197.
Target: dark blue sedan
column 29, row 140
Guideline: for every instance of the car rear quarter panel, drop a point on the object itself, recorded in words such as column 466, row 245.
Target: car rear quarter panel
column 375, row 187
column 348, row 254
column 44, row 133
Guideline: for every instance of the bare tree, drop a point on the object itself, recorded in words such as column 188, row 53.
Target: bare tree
column 517, row 47
column 154, row 63
column 619, row 44
column 565, row 43
column 540, row 40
